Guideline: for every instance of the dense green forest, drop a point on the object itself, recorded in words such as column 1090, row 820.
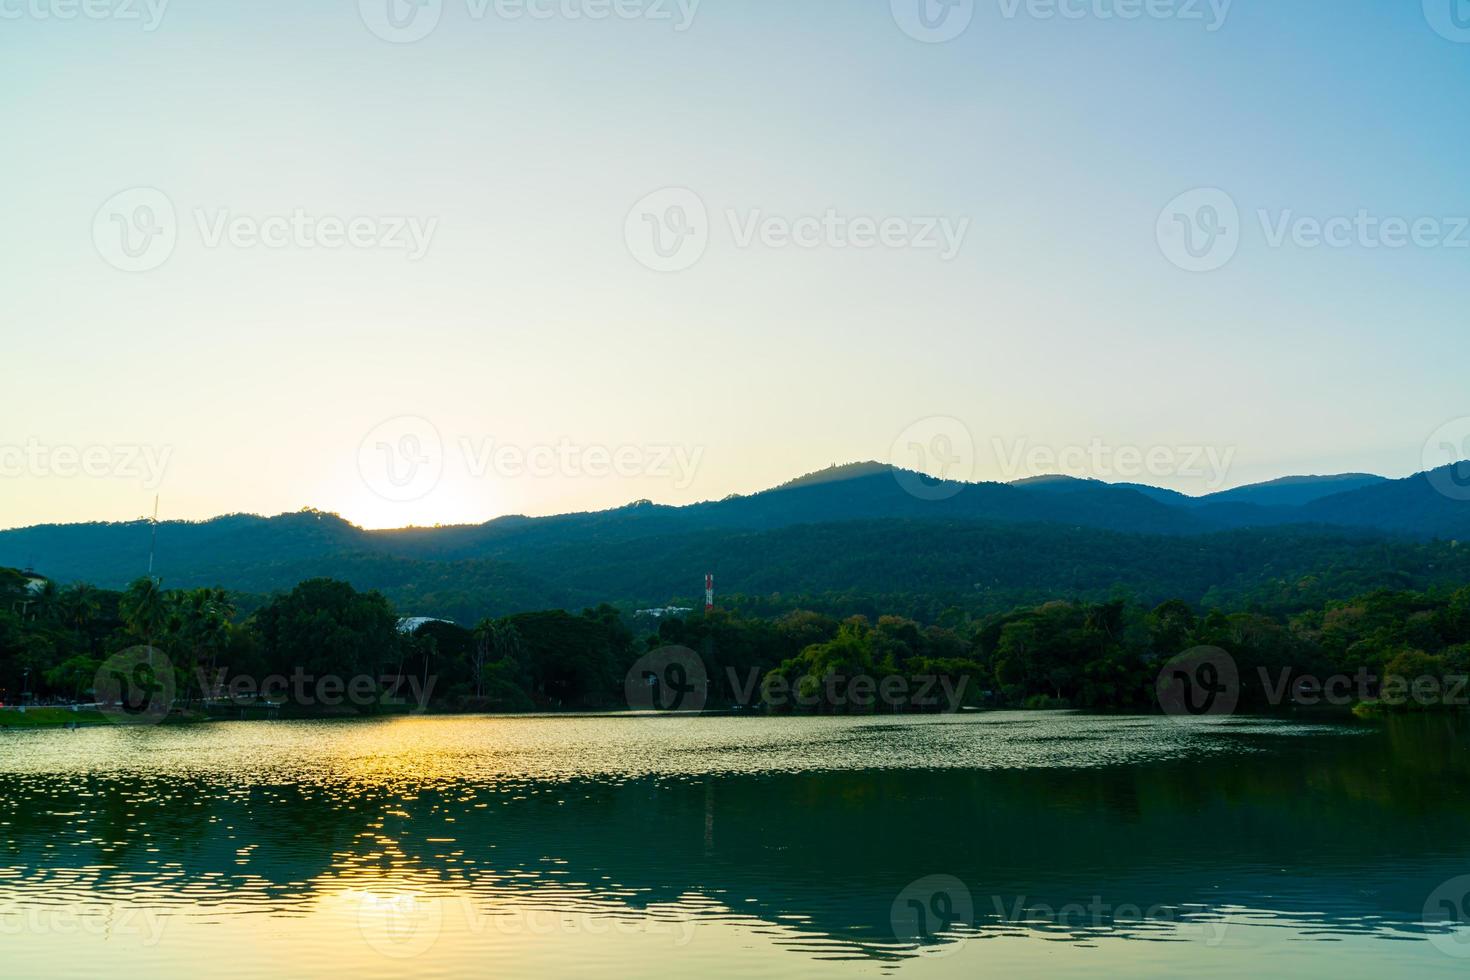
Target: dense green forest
column 1101, row 655
column 913, row 568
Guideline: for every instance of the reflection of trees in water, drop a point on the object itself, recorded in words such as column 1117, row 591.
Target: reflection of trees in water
column 1345, row 829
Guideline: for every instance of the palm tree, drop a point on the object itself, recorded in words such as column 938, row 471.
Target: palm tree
column 195, row 623
column 201, row 620
column 79, row 606
column 484, row 643
column 495, row 640
column 189, row 624
column 144, row 608
column 217, row 636
column 46, row 599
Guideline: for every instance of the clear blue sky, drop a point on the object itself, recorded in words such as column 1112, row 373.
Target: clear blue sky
column 529, row 321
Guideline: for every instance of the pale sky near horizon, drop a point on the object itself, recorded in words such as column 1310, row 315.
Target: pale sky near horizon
column 506, row 321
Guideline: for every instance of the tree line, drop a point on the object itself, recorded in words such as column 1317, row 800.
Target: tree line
column 1088, row 654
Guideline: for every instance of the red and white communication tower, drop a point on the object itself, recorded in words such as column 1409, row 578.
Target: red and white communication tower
column 709, row 593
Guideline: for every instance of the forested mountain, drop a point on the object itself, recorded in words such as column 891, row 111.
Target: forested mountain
column 1294, row 491
column 845, row 535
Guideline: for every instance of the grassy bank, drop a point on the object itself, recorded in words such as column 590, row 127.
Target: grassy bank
column 49, row 717
column 85, row 717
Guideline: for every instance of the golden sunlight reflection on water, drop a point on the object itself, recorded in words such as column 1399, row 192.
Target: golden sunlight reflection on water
column 730, row 847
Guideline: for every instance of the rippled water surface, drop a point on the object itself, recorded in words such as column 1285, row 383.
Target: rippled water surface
column 940, row 846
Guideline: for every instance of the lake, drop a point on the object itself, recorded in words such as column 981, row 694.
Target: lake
column 1008, row 843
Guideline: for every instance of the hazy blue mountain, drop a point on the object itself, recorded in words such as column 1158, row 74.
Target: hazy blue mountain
column 861, row 528
column 1164, row 496
column 1289, row 491
column 1294, row 491
column 113, row 554
column 1433, row 504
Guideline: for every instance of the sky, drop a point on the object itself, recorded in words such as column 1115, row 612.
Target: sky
column 437, row 262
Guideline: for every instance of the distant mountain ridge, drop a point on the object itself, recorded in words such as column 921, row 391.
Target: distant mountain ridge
column 1296, row 491
column 1288, row 491
column 551, row 560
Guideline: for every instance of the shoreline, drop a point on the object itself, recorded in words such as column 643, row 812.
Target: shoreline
column 51, row 717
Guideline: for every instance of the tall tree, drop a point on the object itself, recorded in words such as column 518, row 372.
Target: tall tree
column 80, row 604
column 144, row 608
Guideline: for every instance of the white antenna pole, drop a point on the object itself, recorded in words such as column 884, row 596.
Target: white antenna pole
column 153, row 543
